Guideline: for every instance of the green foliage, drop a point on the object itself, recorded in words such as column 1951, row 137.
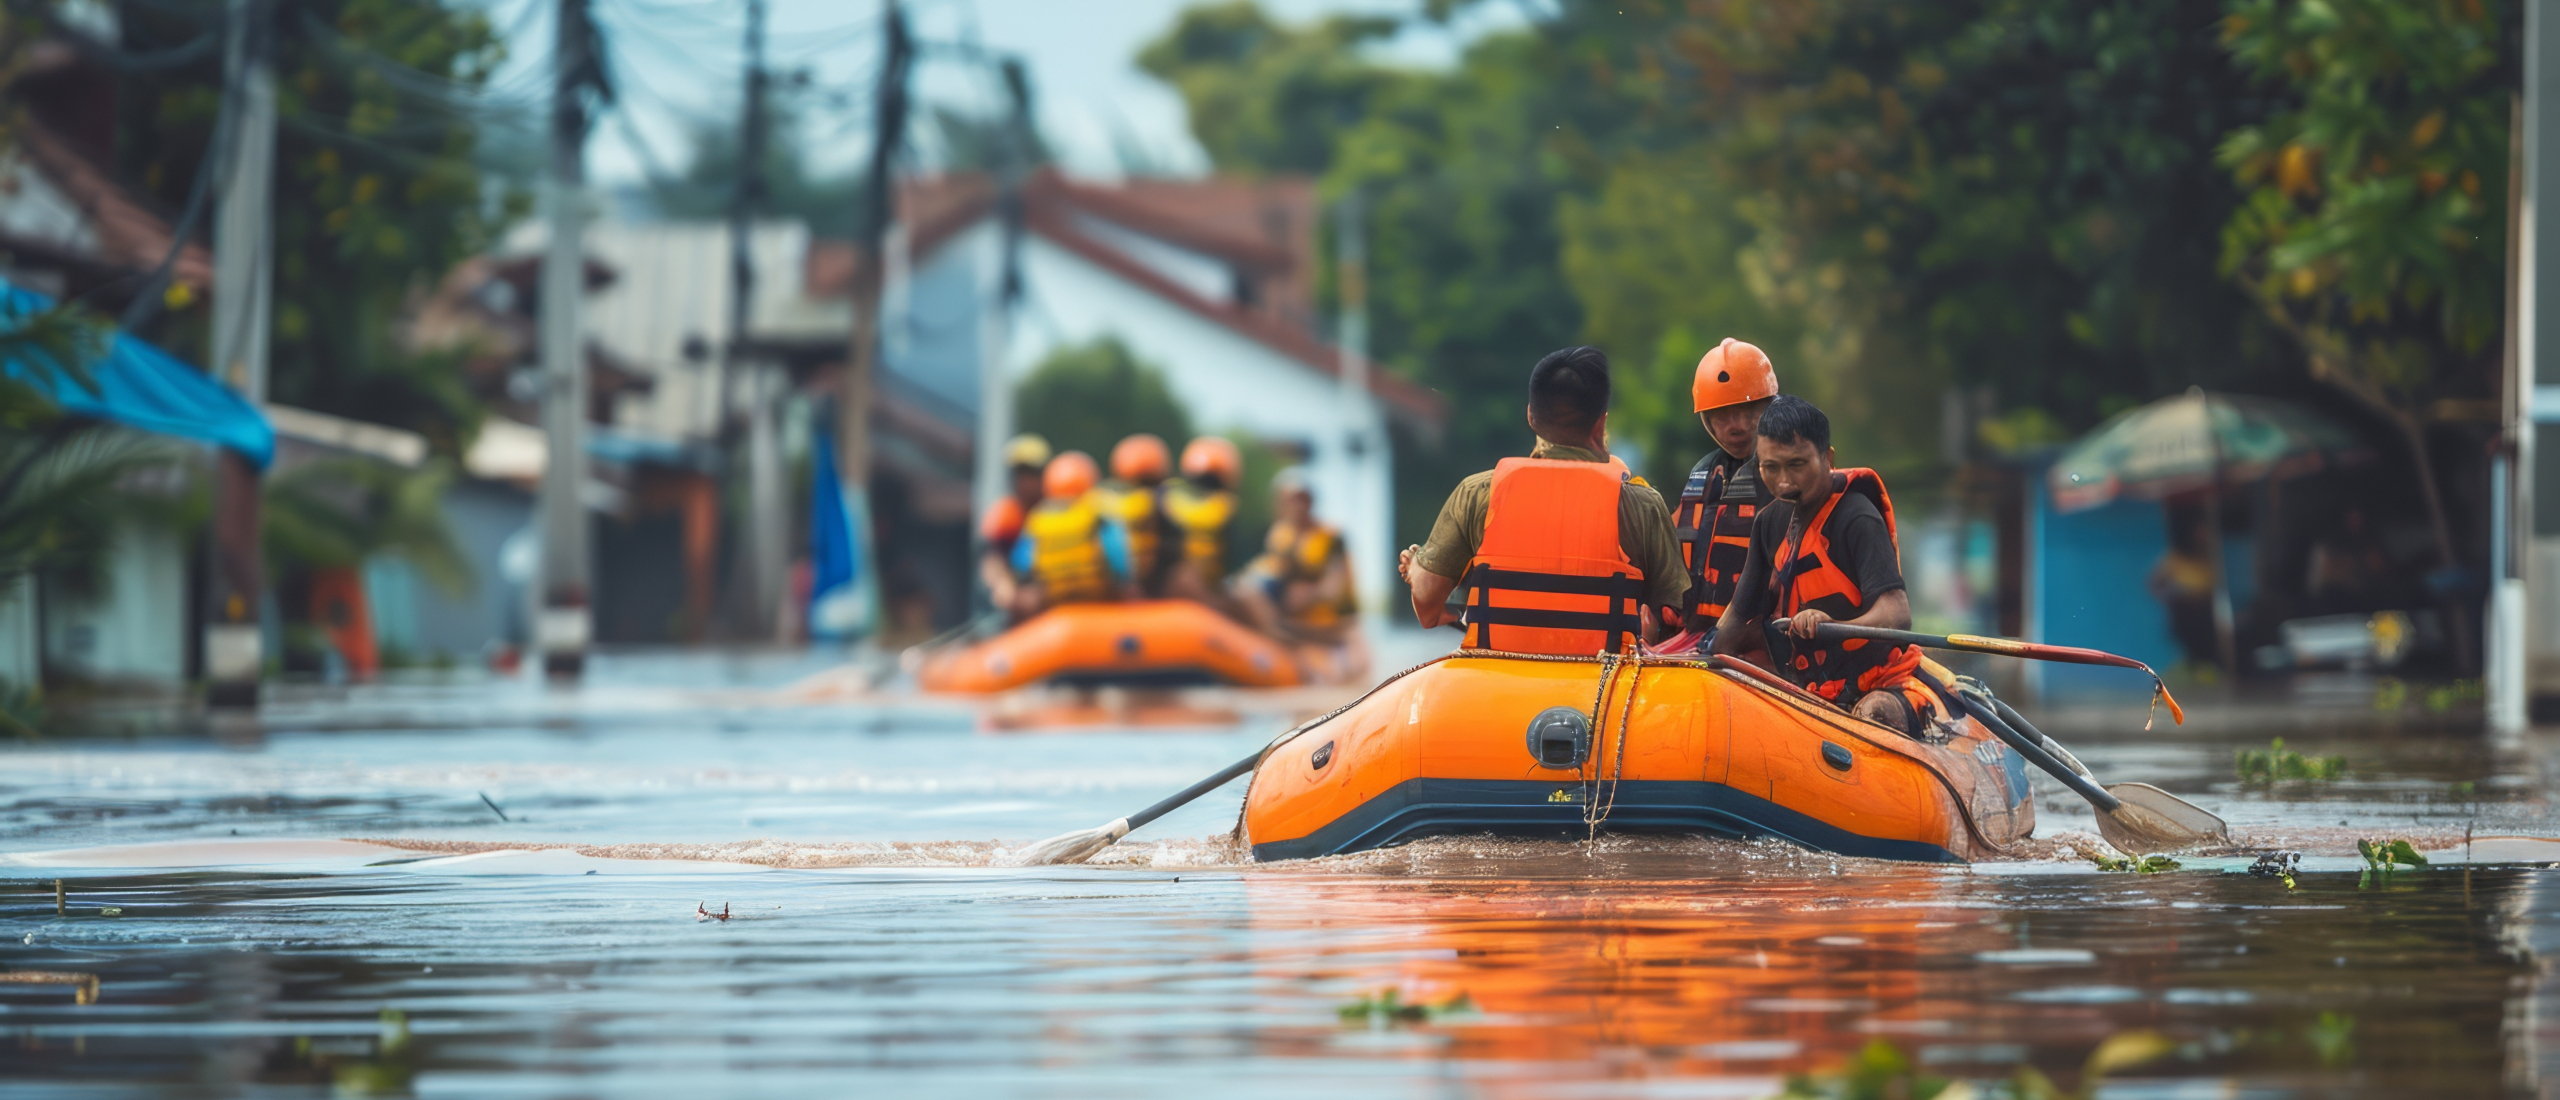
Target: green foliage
column 2333, row 1038
column 2375, row 225
column 2148, row 865
column 1387, row 1008
column 1880, row 1071
column 1087, row 396
column 1266, row 97
column 377, row 189
column 335, row 513
column 2259, row 767
column 63, row 481
column 2383, row 859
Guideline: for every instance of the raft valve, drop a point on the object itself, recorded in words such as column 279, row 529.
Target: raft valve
column 1559, row 737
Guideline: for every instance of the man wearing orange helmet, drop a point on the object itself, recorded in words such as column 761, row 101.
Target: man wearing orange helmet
column 1025, row 456
column 1135, row 497
column 1072, row 550
column 1735, row 381
column 1200, row 506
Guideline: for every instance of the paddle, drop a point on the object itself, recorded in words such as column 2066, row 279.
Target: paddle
column 2137, row 818
column 1079, row 846
column 2005, row 647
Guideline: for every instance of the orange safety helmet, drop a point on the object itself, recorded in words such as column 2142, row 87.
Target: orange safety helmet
column 1731, row 373
column 1141, row 457
column 1070, row 475
column 1211, row 454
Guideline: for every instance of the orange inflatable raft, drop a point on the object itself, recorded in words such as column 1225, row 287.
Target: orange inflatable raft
column 1150, row 642
column 1508, row 745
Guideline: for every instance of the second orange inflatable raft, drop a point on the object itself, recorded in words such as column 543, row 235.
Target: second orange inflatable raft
column 1163, row 642
column 1508, row 745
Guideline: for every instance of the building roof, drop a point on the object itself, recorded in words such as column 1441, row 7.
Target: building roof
column 118, row 230
column 1262, row 231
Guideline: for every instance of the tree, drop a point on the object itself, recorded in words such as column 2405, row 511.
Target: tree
column 1085, row 397
column 377, row 189
column 2374, row 234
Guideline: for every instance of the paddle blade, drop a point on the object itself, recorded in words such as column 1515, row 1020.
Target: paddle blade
column 2153, row 821
column 1075, row 847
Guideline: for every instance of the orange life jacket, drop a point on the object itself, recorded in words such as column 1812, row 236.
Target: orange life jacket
column 1549, row 571
column 1808, row 578
column 1715, row 539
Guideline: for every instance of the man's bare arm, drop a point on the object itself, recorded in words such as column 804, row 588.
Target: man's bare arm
column 1430, row 590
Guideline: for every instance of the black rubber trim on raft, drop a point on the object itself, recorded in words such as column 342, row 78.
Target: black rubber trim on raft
column 1418, row 808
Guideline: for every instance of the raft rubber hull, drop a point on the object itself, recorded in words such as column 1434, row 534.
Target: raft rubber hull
column 1151, row 643
column 1446, row 751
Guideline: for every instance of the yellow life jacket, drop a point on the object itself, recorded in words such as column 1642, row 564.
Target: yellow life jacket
column 1066, row 549
column 1141, row 514
column 1301, row 554
column 1202, row 518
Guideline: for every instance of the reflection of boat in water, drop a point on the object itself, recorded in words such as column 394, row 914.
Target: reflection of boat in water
column 1719, row 972
column 1152, row 643
column 1507, row 745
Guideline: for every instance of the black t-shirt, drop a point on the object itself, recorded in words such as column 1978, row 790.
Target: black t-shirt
column 1859, row 543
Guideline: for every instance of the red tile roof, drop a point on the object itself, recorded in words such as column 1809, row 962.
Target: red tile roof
column 129, row 234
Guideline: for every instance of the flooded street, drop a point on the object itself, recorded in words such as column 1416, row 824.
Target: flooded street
column 333, row 901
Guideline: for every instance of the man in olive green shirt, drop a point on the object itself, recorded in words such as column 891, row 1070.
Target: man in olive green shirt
column 1569, row 410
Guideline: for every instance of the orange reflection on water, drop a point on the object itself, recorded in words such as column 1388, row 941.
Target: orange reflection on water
column 1745, row 976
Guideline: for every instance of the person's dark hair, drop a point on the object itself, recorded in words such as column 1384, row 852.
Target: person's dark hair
column 1792, row 419
column 1569, row 391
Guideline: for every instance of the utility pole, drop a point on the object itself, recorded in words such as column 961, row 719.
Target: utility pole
column 2529, row 403
column 563, row 621
column 765, row 557
column 995, row 333
column 1371, row 526
column 244, row 254
column 853, row 406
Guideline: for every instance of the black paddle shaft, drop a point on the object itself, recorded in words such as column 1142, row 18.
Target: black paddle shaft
column 1194, row 791
column 2080, row 784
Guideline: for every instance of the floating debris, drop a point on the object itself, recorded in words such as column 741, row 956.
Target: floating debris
column 2147, row 865
column 2260, row 767
column 2280, row 865
column 2383, row 859
column 1387, row 1008
column 702, row 912
column 84, row 985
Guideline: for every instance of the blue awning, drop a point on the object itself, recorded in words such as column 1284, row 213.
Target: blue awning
column 141, row 386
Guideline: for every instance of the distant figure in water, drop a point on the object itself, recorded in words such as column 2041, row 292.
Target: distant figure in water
column 2182, row 580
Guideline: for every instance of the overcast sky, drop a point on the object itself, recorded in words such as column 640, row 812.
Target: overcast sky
column 679, row 62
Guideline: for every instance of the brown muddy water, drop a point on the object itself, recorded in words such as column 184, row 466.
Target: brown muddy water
column 325, row 903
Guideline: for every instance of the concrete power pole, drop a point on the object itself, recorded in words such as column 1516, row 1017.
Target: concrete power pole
column 853, row 406
column 766, row 556
column 1370, row 526
column 995, row 332
column 563, row 621
column 244, row 255
column 2536, row 238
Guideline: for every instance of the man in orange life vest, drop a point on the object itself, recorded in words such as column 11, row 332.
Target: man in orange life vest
column 1824, row 551
column 1025, row 457
column 1713, row 518
column 1560, row 552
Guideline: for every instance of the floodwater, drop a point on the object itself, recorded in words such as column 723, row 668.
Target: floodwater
column 329, row 901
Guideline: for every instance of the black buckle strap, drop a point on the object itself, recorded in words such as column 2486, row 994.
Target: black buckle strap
column 1625, row 595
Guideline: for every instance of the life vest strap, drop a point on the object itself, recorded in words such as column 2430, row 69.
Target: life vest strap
column 1624, row 593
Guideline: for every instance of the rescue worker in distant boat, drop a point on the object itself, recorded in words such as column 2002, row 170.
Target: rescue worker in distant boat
column 1025, row 456
column 1135, row 497
column 1071, row 550
column 1300, row 586
column 1560, row 552
column 1200, row 507
column 1713, row 518
column 1823, row 551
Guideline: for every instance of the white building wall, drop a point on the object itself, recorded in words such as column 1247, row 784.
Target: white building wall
column 1229, row 382
column 134, row 629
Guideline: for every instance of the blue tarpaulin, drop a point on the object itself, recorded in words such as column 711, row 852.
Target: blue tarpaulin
column 838, row 608
column 143, row 387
